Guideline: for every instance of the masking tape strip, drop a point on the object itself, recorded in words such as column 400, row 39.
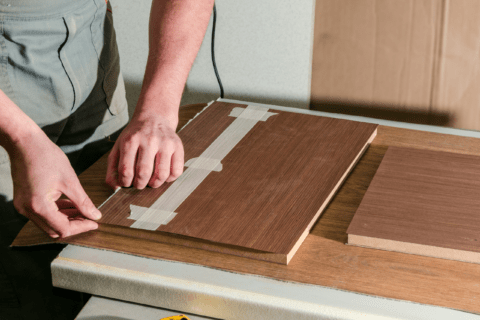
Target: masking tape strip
column 204, row 163
column 163, row 209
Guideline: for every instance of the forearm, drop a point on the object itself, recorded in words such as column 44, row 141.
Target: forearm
column 176, row 31
column 15, row 125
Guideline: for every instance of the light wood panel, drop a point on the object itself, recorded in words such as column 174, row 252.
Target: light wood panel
column 423, row 202
column 273, row 185
column 323, row 259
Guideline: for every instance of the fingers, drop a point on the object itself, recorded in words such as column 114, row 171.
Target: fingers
column 168, row 165
column 44, row 226
column 59, row 224
column 64, row 204
column 62, row 226
column 112, row 168
column 177, row 164
column 74, row 191
column 72, row 214
column 146, row 153
column 162, row 169
column 63, row 218
column 126, row 162
column 144, row 166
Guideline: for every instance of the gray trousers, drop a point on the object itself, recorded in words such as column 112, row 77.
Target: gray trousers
column 59, row 63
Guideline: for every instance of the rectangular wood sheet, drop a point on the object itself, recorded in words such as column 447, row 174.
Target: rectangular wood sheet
column 323, row 259
column 272, row 185
column 422, row 202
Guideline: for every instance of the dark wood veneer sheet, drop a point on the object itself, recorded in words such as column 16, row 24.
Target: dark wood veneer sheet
column 272, row 184
column 423, row 197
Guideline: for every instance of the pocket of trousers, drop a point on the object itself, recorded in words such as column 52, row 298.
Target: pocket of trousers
column 104, row 38
column 33, row 74
column 79, row 58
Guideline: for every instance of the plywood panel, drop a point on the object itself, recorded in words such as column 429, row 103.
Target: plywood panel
column 323, row 259
column 273, row 184
column 423, row 202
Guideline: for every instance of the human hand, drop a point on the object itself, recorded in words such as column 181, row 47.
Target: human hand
column 41, row 173
column 147, row 152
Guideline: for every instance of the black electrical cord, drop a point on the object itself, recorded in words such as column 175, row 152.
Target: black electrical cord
column 213, row 51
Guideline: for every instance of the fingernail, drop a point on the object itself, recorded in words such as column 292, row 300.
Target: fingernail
column 97, row 214
column 54, row 236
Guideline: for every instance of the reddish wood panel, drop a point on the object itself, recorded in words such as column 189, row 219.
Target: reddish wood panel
column 272, row 184
column 423, row 202
column 323, row 258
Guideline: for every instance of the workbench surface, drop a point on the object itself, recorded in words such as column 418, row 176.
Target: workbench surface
column 354, row 273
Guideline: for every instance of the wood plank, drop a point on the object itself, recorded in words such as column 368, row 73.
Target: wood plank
column 323, row 259
column 267, row 196
column 422, row 202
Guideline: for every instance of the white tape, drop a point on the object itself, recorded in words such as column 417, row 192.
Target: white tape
column 204, row 163
column 162, row 211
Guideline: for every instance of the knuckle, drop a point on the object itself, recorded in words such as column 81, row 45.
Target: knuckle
column 143, row 174
column 180, row 155
column 163, row 175
column 152, row 141
column 85, row 202
column 177, row 172
column 155, row 176
column 128, row 142
column 169, row 145
column 33, row 205
column 178, row 141
column 125, row 172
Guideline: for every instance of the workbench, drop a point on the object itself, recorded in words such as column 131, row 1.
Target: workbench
column 325, row 279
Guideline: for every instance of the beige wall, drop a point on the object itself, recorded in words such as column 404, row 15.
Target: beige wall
column 412, row 60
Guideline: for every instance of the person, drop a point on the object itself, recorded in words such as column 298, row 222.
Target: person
column 62, row 104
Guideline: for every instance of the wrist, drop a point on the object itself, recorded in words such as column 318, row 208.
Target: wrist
column 16, row 137
column 20, row 140
column 151, row 109
column 16, row 128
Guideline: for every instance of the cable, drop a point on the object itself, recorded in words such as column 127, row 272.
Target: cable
column 213, row 51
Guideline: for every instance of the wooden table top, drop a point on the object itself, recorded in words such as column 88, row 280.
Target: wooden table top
column 324, row 258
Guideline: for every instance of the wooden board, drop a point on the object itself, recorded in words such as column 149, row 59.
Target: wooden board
column 273, row 185
column 323, row 259
column 422, row 202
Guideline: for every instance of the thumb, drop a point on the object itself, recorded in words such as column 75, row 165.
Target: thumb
column 80, row 199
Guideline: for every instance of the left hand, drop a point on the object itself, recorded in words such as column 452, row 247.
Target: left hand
column 147, row 152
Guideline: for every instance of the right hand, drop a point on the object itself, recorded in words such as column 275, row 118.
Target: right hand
column 41, row 173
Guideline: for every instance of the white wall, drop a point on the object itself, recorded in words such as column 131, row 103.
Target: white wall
column 263, row 51
column 131, row 24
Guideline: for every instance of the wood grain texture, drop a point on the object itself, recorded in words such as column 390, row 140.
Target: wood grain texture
column 272, row 184
column 422, row 197
column 323, row 258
